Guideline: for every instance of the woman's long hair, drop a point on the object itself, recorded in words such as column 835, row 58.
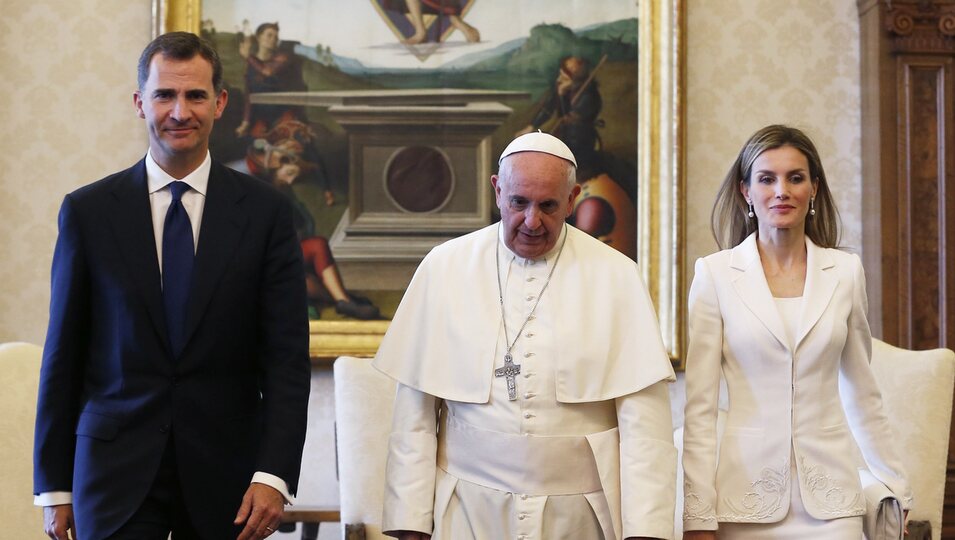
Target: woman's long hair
column 729, row 218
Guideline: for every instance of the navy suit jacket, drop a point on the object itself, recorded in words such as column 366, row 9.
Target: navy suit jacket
column 112, row 395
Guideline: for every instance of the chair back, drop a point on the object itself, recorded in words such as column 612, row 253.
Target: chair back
column 917, row 391
column 364, row 398
column 19, row 378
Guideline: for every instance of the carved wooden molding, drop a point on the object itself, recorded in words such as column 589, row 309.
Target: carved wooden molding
column 921, row 26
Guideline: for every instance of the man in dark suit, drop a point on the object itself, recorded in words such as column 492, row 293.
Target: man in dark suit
column 175, row 376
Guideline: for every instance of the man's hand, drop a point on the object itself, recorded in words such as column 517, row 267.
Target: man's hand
column 261, row 511
column 58, row 522
column 699, row 535
column 413, row 535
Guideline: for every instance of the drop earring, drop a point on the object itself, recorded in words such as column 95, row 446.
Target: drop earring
column 812, row 209
column 751, row 213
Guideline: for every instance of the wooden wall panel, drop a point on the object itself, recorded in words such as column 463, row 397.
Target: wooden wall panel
column 920, row 204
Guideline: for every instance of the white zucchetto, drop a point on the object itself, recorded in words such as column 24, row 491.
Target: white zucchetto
column 538, row 141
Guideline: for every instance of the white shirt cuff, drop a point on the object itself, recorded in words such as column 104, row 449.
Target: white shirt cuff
column 53, row 498
column 273, row 481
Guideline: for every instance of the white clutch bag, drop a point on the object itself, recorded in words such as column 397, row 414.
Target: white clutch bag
column 883, row 519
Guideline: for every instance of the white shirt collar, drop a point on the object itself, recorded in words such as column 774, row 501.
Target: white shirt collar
column 157, row 179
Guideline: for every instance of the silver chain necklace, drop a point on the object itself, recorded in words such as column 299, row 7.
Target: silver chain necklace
column 510, row 370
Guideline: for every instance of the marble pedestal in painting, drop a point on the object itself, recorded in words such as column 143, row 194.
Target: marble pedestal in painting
column 419, row 168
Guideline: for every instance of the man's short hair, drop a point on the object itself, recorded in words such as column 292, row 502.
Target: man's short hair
column 180, row 46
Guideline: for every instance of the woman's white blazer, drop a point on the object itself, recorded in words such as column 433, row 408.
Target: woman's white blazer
column 784, row 401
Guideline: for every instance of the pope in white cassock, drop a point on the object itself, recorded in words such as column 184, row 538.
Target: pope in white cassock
column 532, row 399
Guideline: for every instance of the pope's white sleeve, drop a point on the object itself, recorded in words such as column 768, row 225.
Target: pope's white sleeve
column 647, row 462
column 412, row 461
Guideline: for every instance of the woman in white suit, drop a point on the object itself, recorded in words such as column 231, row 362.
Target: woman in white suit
column 781, row 315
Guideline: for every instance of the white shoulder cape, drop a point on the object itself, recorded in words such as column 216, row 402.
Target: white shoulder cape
column 443, row 337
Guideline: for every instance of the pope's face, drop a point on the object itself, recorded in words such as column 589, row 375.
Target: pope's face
column 535, row 198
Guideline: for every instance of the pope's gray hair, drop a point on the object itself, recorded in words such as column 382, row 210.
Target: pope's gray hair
column 504, row 170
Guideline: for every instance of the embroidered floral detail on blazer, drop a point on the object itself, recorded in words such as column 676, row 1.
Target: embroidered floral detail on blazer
column 765, row 499
column 830, row 496
column 694, row 507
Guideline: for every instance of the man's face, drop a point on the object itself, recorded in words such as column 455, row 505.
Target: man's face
column 179, row 105
column 535, row 198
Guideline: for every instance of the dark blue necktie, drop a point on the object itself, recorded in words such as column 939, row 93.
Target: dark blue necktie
column 178, row 255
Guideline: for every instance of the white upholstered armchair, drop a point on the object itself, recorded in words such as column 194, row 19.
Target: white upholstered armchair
column 917, row 395
column 19, row 377
column 363, row 403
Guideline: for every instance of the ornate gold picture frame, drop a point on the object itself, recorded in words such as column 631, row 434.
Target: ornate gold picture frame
column 660, row 175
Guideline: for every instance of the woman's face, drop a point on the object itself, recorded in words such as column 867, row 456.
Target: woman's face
column 269, row 38
column 780, row 188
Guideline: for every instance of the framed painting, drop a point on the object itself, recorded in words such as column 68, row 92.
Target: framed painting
column 382, row 121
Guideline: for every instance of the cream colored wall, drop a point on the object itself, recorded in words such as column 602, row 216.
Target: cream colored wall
column 757, row 62
column 67, row 74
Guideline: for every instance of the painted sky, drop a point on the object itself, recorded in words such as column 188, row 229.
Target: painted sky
column 354, row 28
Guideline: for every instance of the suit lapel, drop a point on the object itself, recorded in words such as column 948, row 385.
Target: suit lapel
column 752, row 288
column 221, row 229
column 131, row 221
column 820, row 286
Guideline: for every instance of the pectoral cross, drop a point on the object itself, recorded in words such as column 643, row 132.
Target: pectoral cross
column 509, row 370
